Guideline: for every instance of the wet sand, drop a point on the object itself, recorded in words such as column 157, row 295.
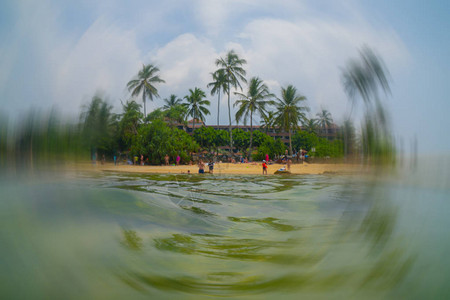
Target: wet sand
column 230, row 168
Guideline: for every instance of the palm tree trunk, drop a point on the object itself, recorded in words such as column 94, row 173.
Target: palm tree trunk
column 251, row 133
column 193, row 124
column 218, row 108
column 229, row 118
column 143, row 99
column 290, row 142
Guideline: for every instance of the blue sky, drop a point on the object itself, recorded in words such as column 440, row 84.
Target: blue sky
column 60, row 53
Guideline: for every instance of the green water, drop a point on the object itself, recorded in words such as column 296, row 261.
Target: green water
column 123, row 236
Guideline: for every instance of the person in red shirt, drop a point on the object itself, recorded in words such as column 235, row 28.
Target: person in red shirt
column 264, row 165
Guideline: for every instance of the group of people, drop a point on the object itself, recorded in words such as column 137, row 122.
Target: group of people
column 201, row 167
column 177, row 160
column 300, row 155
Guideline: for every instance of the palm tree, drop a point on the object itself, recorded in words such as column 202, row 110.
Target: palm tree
column 310, row 125
column 196, row 105
column 130, row 121
column 254, row 101
column 289, row 112
column 232, row 67
column 172, row 101
column 365, row 78
column 218, row 84
column 97, row 123
column 268, row 121
column 144, row 83
column 324, row 120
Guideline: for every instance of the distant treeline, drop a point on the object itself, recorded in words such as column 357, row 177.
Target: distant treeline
column 44, row 138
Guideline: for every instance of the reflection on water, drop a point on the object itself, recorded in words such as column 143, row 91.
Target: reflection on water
column 170, row 236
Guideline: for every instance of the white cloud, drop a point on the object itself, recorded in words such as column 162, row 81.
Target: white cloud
column 185, row 63
column 105, row 58
column 308, row 55
column 219, row 16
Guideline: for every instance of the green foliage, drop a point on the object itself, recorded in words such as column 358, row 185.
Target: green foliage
column 231, row 66
column 144, row 82
column 196, row 104
column 206, row 137
column 365, row 78
column 209, row 138
column 271, row 147
column 279, row 147
column 325, row 148
column 241, row 139
column 324, row 120
column 129, row 123
column 218, row 84
column 157, row 114
column 348, row 137
column 310, row 126
column 260, row 138
column 99, row 126
column 172, row 101
column 304, row 140
column 255, row 101
column 157, row 139
column 40, row 139
column 176, row 114
column 222, row 138
column 377, row 145
column 268, row 121
column 290, row 110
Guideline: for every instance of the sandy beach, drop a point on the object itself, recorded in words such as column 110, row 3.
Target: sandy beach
column 231, row 168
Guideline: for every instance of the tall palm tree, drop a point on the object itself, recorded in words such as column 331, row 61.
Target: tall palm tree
column 218, row 84
column 97, row 122
column 254, row 101
column 366, row 77
column 268, row 121
column 289, row 110
column 196, row 105
column 310, row 125
column 144, row 82
column 172, row 101
column 232, row 67
column 324, row 120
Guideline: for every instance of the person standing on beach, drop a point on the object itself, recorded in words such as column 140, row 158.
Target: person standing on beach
column 178, row 160
column 264, row 165
column 166, row 159
column 142, row 160
column 201, row 167
column 211, row 167
column 267, row 157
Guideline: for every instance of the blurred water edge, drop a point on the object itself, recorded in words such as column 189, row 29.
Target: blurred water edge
column 76, row 235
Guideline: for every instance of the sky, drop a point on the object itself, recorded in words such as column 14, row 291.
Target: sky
column 61, row 53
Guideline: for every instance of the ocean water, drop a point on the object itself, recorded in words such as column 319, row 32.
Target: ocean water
column 128, row 236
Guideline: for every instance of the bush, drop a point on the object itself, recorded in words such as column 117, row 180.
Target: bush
column 156, row 139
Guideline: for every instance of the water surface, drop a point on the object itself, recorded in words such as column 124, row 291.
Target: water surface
column 134, row 236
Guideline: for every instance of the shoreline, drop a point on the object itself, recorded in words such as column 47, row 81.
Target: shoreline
column 228, row 168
